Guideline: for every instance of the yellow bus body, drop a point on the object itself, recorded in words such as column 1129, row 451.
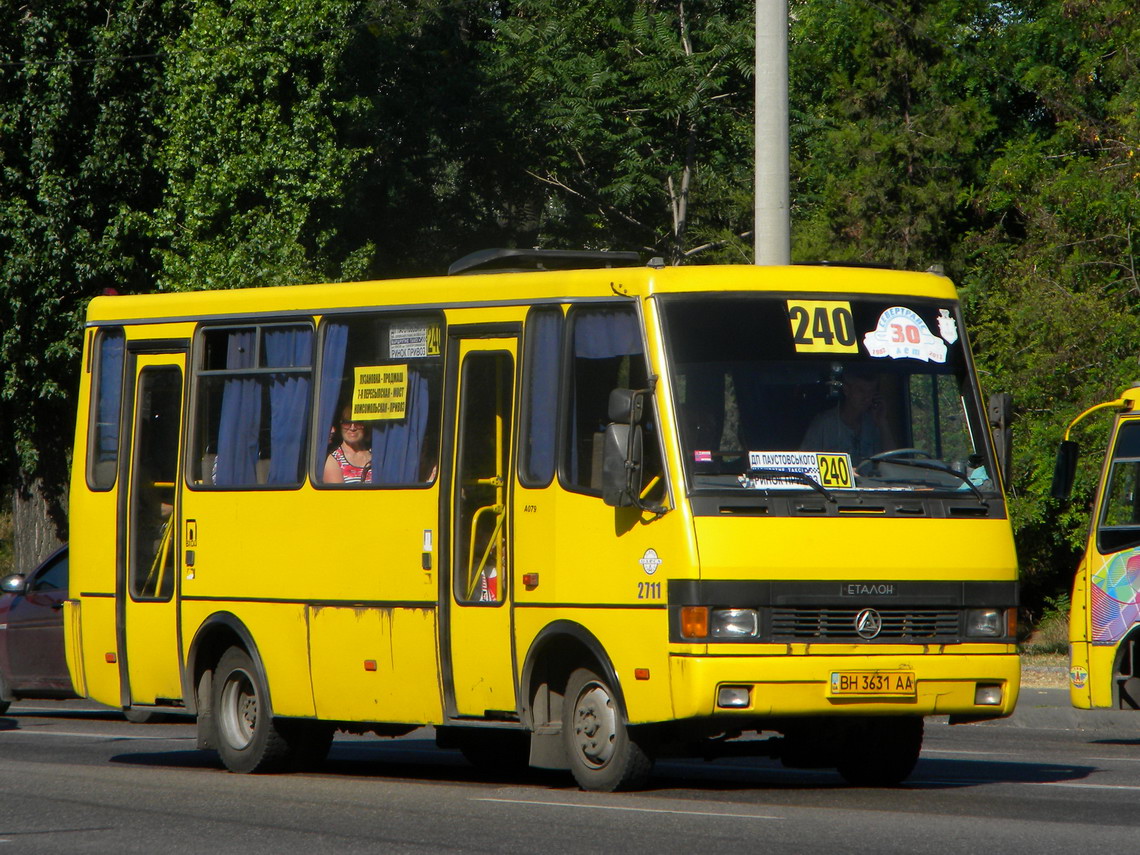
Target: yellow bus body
column 339, row 595
column 1104, row 614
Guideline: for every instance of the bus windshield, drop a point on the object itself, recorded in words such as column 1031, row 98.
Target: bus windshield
column 781, row 393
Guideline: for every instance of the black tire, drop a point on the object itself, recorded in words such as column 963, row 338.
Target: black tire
column 4, row 706
column 602, row 754
column 249, row 740
column 881, row 752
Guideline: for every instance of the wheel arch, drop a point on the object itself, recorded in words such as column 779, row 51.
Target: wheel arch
column 217, row 633
column 1126, row 671
column 559, row 648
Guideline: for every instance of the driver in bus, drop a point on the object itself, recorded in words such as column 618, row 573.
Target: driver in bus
column 857, row 425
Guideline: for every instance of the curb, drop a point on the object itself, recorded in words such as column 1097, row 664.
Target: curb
column 1050, row 709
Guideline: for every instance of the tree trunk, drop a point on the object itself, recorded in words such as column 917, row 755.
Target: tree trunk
column 39, row 523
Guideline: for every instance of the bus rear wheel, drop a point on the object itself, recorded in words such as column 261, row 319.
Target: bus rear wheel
column 881, row 752
column 249, row 739
column 602, row 754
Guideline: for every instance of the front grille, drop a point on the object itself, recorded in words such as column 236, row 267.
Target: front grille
column 839, row 624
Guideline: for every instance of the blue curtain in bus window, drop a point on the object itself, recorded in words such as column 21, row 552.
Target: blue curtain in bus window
column 606, row 333
column 601, row 334
column 110, row 394
column 544, row 351
column 332, row 368
column 240, row 417
column 398, row 444
column 288, row 399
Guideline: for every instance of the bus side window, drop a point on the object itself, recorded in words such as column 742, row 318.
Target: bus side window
column 607, row 354
column 394, row 359
column 1119, row 526
column 106, row 396
column 254, row 387
column 541, row 363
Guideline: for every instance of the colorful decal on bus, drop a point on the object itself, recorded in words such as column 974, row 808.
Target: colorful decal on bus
column 1116, row 597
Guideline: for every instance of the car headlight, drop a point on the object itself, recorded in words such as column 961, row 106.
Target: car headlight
column 734, row 623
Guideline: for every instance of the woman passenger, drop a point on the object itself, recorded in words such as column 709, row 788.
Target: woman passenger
column 351, row 461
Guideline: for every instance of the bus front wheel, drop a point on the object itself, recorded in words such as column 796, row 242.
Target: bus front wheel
column 602, row 754
column 248, row 739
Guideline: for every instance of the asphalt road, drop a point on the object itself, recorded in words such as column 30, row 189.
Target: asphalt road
column 78, row 779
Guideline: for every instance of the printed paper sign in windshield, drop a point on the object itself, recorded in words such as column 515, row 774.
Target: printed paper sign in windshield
column 777, row 469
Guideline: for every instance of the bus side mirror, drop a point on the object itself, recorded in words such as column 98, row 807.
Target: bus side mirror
column 1001, row 418
column 626, row 406
column 1065, row 470
column 621, row 465
column 621, row 454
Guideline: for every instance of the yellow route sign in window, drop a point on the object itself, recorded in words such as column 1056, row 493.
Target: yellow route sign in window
column 380, row 392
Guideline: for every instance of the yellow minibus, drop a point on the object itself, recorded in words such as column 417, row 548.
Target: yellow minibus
column 579, row 515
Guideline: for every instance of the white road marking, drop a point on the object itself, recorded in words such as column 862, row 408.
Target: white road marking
column 926, row 751
column 1084, row 786
column 628, row 809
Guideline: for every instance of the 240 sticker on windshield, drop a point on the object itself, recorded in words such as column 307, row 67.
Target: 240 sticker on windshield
column 822, row 326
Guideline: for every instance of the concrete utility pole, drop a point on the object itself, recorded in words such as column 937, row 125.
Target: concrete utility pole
column 773, row 242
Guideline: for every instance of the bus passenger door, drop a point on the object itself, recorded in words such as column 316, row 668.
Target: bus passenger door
column 480, row 679
column 148, row 532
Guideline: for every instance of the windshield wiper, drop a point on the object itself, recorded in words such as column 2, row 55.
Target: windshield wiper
column 936, row 466
column 791, row 476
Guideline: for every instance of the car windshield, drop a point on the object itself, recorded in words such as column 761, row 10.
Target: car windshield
column 860, row 393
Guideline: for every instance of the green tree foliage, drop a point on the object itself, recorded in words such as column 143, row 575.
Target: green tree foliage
column 154, row 144
column 447, row 175
column 897, row 118
column 76, row 153
column 258, row 180
column 640, row 112
column 1054, row 276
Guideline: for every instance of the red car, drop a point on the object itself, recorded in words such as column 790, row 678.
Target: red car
column 32, row 662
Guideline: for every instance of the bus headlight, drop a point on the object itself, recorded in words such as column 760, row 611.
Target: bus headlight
column 734, row 623
column 985, row 623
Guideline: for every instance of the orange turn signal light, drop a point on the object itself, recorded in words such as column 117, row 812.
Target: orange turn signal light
column 694, row 621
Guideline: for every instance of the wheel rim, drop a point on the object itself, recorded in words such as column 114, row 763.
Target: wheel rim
column 595, row 725
column 238, row 715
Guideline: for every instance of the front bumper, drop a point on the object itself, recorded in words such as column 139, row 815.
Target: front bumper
column 796, row 686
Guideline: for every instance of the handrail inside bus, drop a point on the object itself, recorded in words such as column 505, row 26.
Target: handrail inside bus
column 474, row 571
column 153, row 581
